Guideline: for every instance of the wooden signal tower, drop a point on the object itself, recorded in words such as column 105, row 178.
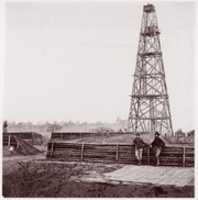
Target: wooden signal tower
column 149, row 108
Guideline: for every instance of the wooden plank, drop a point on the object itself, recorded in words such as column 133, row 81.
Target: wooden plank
column 189, row 150
column 184, row 156
column 148, row 156
column 32, row 138
column 9, row 140
column 17, row 144
column 82, row 152
column 52, row 149
column 117, row 152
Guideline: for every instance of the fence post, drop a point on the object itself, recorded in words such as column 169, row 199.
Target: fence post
column 32, row 139
column 117, row 152
column 9, row 140
column 131, row 152
column 148, row 155
column 82, row 151
column 48, row 150
column 184, row 156
column 17, row 144
column 52, row 150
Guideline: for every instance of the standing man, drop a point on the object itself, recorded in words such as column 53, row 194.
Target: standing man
column 139, row 145
column 157, row 145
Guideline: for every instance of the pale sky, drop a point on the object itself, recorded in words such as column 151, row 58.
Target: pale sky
column 74, row 61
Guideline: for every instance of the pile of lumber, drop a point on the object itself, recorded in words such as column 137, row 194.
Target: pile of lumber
column 118, row 153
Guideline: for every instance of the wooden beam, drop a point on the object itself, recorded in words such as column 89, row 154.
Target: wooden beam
column 9, row 140
column 82, row 151
column 52, row 149
column 18, row 144
column 32, row 139
column 148, row 155
column 184, row 156
column 117, row 152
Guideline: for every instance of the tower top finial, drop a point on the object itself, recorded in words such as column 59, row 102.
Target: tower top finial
column 149, row 8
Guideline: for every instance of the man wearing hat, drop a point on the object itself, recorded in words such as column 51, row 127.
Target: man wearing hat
column 139, row 145
column 157, row 145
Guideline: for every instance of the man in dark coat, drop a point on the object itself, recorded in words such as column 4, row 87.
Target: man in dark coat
column 139, row 145
column 157, row 145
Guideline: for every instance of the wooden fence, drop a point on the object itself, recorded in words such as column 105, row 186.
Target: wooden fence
column 9, row 140
column 112, row 153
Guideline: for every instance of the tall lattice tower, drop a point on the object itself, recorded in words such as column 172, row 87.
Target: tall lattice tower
column 149, row 108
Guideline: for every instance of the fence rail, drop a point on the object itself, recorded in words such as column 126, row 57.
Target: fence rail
column 119, row 153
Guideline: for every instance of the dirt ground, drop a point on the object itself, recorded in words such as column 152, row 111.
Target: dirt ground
column 33, row 176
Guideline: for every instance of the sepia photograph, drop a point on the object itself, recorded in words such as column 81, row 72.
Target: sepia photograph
column 98, row 99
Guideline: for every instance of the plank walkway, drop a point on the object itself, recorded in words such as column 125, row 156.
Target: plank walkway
column 155, row 175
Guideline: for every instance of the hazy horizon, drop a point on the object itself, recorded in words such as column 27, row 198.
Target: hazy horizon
column 75, row 61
